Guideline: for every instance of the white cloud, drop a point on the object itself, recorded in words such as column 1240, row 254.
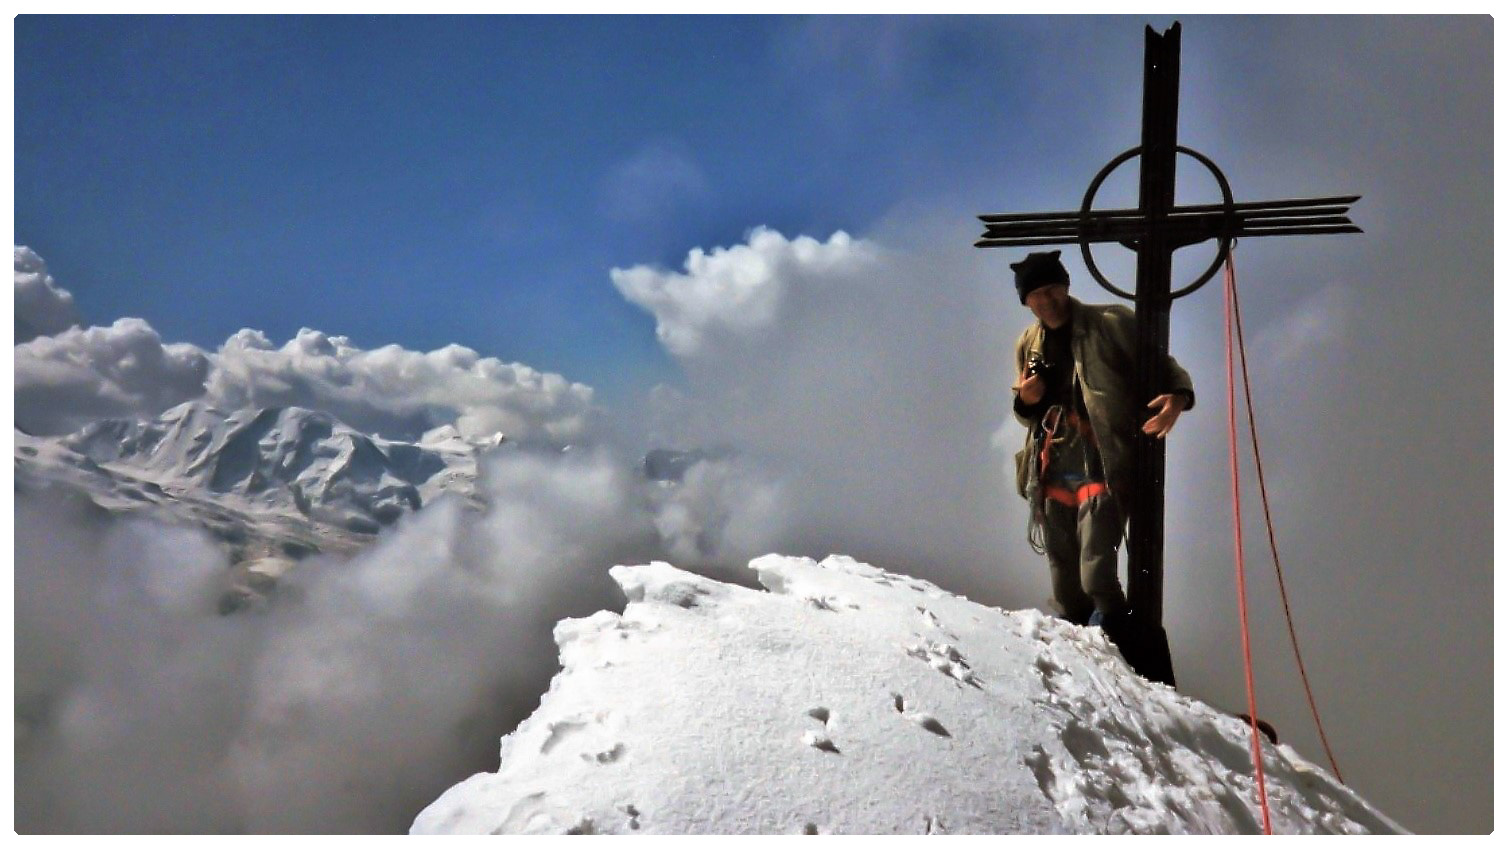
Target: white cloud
column 360, row 692
column 124, row 370
column 861, row 380
column 724, row 510
column 42, row 307
column 66, row 380
column 739, row 290
column 394, row 391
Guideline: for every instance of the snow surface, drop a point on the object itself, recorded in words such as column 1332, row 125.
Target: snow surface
column 847, row 699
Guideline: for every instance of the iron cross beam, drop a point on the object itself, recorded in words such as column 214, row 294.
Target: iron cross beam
column 1182, row 225
column 1156, row 228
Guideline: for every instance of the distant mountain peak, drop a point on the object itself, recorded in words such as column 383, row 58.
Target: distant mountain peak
column 276, row 467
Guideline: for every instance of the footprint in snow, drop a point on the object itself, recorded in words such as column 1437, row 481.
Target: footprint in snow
column 829, row 603
column 611, row 755
column 584, row 827
column 633, row 814
column 945, row 659
column 925, row 720
column 931, row 620
column 929, row 722
column 820, row 741
column 556, row 731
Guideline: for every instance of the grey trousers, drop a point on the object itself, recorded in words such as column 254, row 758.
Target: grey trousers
column 1083, row 545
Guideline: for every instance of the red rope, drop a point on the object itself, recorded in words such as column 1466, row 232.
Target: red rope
column 1270, row 532
column 1245, row 629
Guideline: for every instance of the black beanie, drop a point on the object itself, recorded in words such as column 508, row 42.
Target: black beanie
column 1037, row 270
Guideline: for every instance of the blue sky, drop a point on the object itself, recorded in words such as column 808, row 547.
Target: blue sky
column 427, row 181
column 422, row 181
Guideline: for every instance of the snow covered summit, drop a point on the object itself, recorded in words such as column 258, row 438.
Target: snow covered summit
column 847, row 699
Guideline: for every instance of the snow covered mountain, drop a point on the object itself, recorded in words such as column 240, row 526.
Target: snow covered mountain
column 285, row 457
column 273, row 484
column 847, row 699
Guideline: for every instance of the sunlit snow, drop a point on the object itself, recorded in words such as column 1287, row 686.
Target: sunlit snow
column 847, row 699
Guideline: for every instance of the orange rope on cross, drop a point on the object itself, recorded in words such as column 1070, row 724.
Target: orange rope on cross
column 1245, row 629
column 1271, row 535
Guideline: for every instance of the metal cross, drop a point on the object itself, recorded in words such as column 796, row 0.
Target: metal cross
column 1154, row 230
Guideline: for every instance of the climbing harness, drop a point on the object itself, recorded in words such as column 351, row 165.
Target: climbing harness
column 1060, row 429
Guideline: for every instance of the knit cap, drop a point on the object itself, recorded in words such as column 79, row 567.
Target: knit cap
column 1037, row 270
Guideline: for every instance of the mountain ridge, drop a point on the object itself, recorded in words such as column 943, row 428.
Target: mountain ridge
column 273, row 485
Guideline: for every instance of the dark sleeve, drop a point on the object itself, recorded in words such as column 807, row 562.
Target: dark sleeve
column 1030, row 412
column 1027, row 416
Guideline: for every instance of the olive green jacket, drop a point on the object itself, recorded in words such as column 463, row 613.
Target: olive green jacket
column 1103, row 343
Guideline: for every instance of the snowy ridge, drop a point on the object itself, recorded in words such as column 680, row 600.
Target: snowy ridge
column 847, row 699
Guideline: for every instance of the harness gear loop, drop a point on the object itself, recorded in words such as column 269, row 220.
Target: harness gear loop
column 1044, row 434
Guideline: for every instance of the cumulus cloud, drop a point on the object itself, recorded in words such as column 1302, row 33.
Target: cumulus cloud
column 42, row 306
column 740, row 290
column 864, row 383
column 123, row 370
column 79, row 375
column 399, row 392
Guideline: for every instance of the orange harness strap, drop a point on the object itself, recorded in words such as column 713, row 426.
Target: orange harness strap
column 1067, row 498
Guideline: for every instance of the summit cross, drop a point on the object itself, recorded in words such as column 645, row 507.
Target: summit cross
column 1154, row 230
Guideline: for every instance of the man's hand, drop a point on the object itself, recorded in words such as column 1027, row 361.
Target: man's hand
column 1168, row 407
column 1031, row 389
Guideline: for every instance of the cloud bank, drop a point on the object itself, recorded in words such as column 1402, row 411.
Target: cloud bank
column 393, row 391
column 864, row 375
column 361, row 691
column 84, row 374
column 76, row 375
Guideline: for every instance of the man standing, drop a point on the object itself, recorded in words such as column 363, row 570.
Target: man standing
column 1074, row 393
